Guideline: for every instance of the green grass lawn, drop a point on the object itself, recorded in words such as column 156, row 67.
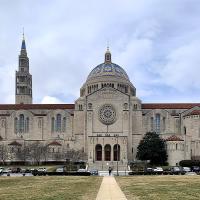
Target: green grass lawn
column 49, row 188
column 160, row 187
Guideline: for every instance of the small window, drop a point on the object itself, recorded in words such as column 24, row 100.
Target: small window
column 89, row 105
column 125, row 106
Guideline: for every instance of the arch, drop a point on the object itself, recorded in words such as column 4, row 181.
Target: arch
column 107, row 152
column 185, row 130
column 58, row 122
column 157, row 123
column 16, row 125
column 27, row 125
column 116, row 152
column 89, row 105
column 52, row 124
column 98, row 152
column 64, row 124
column 21, row 123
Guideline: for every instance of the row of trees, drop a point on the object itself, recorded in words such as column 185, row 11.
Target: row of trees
column 37, row 153
column 151, row 148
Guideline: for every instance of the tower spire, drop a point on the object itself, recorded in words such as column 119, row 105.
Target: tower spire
column 23, row 87
column 108, row 54
column 23, row 47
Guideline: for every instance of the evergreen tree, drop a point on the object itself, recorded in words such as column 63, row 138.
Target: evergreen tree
column 152, row 148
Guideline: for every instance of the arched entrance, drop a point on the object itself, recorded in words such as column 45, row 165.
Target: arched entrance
column 107, row 150
column 98, row 151
column 116, row 152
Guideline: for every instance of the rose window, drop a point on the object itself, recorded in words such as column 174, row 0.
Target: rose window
column 107, row 114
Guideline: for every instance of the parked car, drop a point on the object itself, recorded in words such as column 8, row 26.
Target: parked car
column 175, row 169
column 8, row 170
column 94, row 172
column 82, row 170
column 186, row 169
column 60, row 169
column 158, row 169
column 16, row 170
column 41, row 169
column 195, row 168
column 149, row 169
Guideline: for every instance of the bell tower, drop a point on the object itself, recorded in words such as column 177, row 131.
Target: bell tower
column 23, row 87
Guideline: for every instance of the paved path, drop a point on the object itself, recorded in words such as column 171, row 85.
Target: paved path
column 110, row 190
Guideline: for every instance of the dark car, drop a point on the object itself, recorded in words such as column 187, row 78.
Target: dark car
column 94, row 172
column 16, row 170
column 195, row 168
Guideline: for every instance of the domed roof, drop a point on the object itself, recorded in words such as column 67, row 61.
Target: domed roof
column 108, row 69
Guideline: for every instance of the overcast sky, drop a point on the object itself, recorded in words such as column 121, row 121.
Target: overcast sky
column 157, row 42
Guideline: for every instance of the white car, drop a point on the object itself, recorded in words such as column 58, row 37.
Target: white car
column 42, row 169
column 158, row 169
column 186, row 169
column 60, row 169
column 82, row 170
column 8, row 170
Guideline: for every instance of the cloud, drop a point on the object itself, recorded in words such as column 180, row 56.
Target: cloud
column 50, row 100
column 181, row 70
column 156, row 42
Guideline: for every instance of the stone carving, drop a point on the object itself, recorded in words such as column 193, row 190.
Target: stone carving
column 107, row 114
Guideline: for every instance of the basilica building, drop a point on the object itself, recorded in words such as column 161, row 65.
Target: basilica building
column 107, row 121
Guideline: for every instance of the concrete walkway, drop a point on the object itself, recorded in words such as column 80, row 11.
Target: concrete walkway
column 110, row 190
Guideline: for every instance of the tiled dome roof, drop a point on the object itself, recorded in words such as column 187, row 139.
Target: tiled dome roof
column 109, row 70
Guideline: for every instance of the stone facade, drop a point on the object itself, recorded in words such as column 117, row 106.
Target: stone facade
column 107, row 121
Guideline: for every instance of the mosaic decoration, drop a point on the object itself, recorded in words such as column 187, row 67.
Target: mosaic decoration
column 108, row 69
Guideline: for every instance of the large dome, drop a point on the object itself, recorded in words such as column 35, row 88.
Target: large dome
column 109, row 70
column 107, row 75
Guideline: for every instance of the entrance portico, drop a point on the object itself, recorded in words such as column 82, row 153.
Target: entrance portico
column 107, row 151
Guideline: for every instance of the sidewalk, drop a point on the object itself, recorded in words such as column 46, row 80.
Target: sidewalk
column 110, row 190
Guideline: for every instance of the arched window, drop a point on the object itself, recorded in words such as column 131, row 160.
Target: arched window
column 27, row 125
column 16, row 125
column 98, row 150
column 52, row 124
column 185, row 130
column 158, row 123
column 58, row 123
column 89, row 105
column 152, row 123
column 116, row 152
column 64, row 124
column 164, row 123
column 21, row 123
column 107, row 151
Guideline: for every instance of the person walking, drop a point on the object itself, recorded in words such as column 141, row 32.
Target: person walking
column 109, row 170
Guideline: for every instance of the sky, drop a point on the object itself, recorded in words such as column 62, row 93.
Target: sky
column 157, row 42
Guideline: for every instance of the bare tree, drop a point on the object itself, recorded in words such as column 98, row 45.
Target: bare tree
column 45, row 152
column 23, row 154
column 4, row 154
column 75, row 155
column 36, row 152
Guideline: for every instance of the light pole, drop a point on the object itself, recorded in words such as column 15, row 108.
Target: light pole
column 117, row 155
